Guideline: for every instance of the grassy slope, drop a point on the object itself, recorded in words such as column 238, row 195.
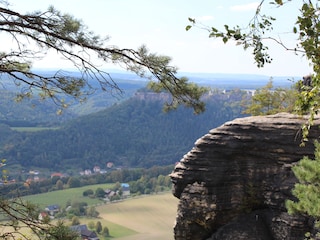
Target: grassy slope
column 152, row 217
column 63, row 196
column 33, row 129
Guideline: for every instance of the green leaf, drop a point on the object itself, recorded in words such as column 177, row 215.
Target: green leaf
column 214, row 30
column 192, row 20
column 225, row 40
column 280, row 2
column 188, row 27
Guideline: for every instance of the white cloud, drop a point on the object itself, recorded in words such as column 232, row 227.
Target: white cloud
column 204, row 18
column 245, row 7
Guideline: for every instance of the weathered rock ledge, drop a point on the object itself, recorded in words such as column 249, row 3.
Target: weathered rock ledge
column 234, row 183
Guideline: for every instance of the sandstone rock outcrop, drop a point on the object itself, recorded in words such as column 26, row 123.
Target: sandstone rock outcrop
column 234, row 183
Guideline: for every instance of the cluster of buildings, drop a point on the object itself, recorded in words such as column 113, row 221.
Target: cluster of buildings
column 82, row 230
column 95, row 170
column 125, row 189
column 37, row 176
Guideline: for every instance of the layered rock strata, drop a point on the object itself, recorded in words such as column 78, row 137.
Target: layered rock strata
column 234, row 183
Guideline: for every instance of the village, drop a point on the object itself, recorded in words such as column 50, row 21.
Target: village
column 76, row 210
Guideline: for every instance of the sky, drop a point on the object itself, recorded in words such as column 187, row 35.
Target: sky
column 160, row 25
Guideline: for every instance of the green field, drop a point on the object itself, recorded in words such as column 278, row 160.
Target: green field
column 32, row 129
column 143, row 217
column 62, row 197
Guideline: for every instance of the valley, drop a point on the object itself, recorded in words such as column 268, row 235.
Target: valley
column 104, row 141
column 131, row 132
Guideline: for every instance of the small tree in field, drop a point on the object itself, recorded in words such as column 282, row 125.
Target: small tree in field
column 98, row 227
column 92, row 212
column 75, row 221
column 100, row 193
column 59, row 185
column 91, row 225
column 88, row 192
column 105, row 232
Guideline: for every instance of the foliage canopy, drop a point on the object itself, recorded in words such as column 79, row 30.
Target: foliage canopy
column 268, row 100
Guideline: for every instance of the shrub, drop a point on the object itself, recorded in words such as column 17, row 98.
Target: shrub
column 75, row 221
column 91, row 225
column 98, row 227
column 100, row 193
column 87, row 192
column 105, row 232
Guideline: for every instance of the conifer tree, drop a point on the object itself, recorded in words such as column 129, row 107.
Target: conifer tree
column 307, row 189
column 98, row 227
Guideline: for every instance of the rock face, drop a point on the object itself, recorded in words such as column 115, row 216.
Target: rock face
column 234, row 183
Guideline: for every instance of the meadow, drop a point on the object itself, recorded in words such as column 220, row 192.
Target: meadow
column 151, row 216
column 33, row 129
column 62, row 197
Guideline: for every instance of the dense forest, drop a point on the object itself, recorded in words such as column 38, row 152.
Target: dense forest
column 133, row 133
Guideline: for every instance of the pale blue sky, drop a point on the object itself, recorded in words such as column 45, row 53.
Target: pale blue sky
column 160, row 24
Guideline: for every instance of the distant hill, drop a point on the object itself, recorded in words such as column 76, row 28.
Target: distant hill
column 129, row 130
column 133, row 133
column 241, row 81
column 36, row 112
column 30, row 112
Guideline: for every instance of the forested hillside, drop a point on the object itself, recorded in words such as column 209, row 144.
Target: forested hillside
column 39, row 112
column 134, row 133
column 30, row 112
